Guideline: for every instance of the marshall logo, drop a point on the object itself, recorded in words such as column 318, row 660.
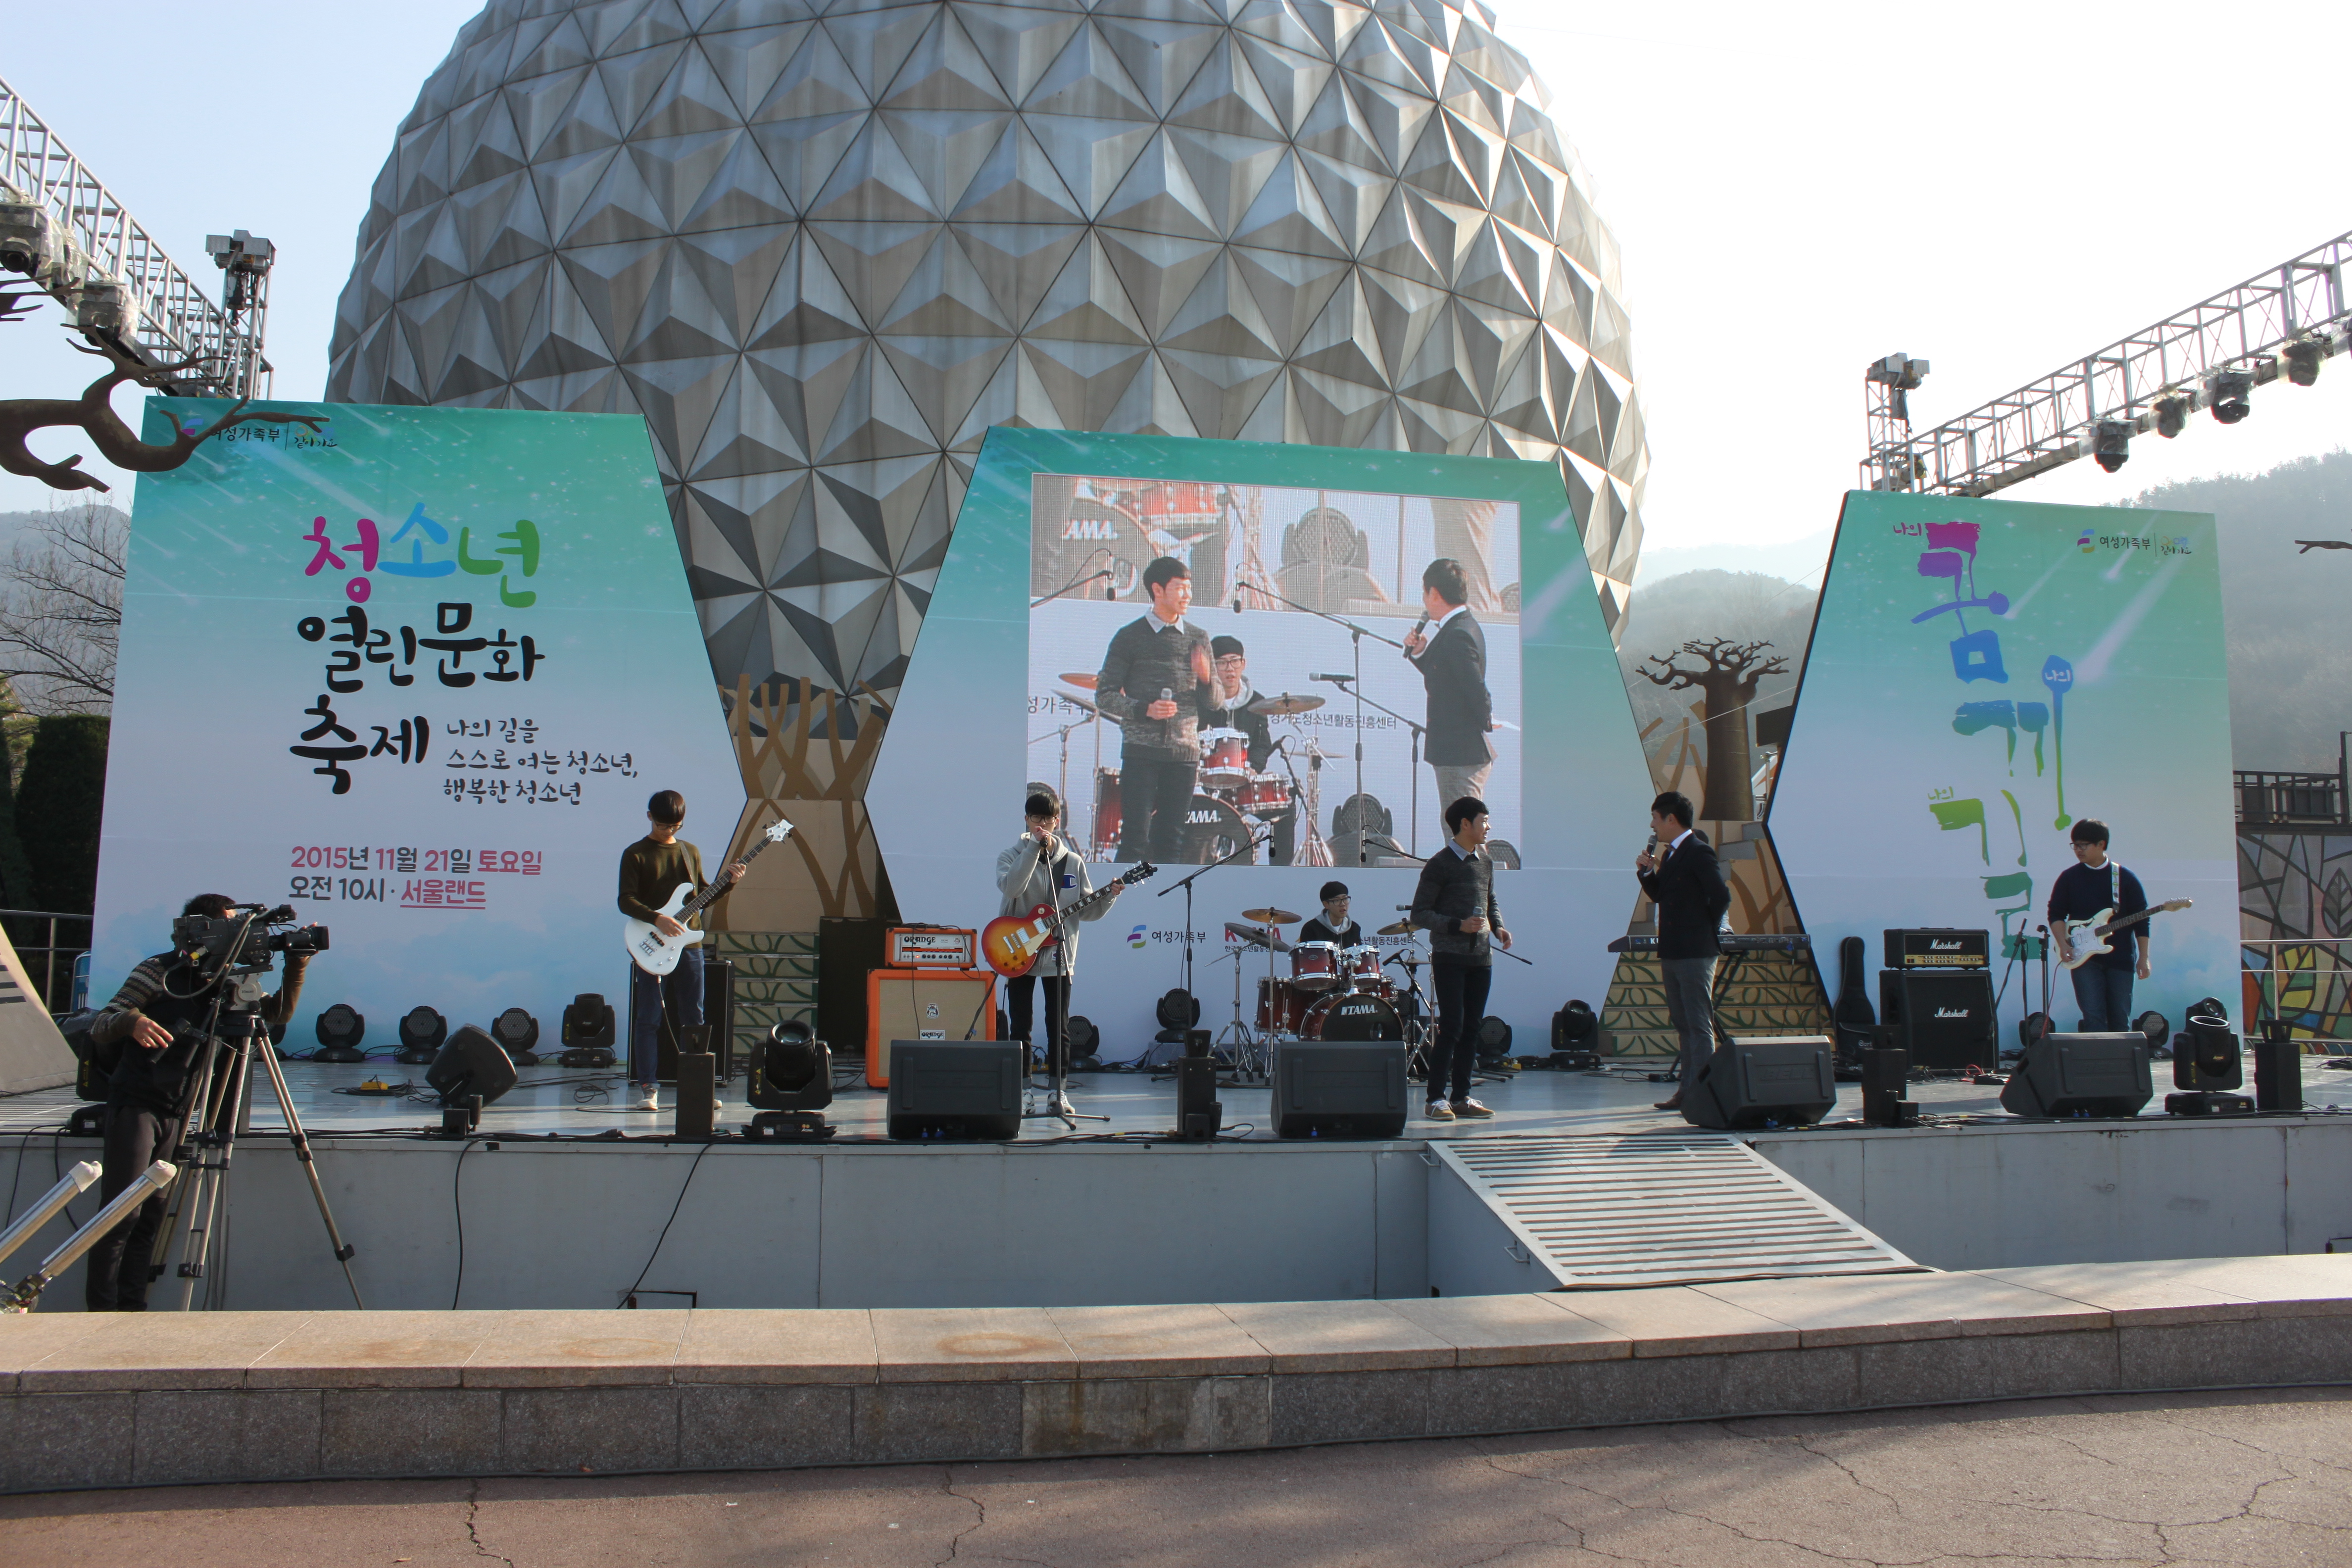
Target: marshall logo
column 1939, row 945
column 1951, row 1012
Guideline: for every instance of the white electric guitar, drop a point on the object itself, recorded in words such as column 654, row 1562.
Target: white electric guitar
column 658, row 954
column 2088, row 939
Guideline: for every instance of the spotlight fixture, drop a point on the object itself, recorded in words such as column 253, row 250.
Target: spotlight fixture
column 2172, row 415
column 25, row 245
column 517, row 1032
column 791, row 1080
column 2227, row 393
column 341, row 1028
column 2206, row 1062
column 588, row 1031
column 2111, row 444
column 2303, row 357
column 422, row 1030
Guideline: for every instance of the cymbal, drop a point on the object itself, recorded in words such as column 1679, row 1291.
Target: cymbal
column 1271, row 916
column 1083, row 681
column 1401, row 928
column 1257, row 936
column 1286, row 703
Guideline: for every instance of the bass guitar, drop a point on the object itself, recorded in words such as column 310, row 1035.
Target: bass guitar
column 658, row 954
column 2088, row 939
column 1011, row 944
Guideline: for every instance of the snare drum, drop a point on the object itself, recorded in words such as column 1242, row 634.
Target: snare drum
column 1224, row 758
column 1106, row 810
column 1359, row 967
column 1263, row 794
column 1280, row 1005
column 1315, row 965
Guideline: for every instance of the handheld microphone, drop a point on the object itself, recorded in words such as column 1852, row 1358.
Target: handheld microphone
column 1335, row 680
column 1419, row 626
column 1237, row 598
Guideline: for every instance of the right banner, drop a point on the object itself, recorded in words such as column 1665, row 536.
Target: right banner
column 1981, row 676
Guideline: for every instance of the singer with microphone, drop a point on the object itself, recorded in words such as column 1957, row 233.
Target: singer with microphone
column 1452, row 659
column 1157, row 682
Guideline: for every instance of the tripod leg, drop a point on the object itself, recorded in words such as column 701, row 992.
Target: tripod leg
column 301, row 1142
column 194, row 1106
column 217, row 1146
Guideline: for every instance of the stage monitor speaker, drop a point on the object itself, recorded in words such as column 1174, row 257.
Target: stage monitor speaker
column 924, row 1004
column 967, row 1090
column 1199, row 1114
column 2278, row 1069
column 848, row 947
column 2081, row 1075
column 1944, row 1021
column 1340, row 1088
column 1788, row 1079
column 470, row 1063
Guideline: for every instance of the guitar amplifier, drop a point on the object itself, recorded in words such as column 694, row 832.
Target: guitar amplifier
column 1939, row 947
column 1944, row 1021
column 925, row 1004
column 931, row 947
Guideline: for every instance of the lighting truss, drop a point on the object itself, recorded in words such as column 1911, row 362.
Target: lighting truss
column 2148, row 381
column 107, row 269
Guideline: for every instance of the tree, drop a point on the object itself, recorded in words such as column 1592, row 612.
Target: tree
column 1727, row 678
column 17, row 888
column 58, row 807
column 61, row 609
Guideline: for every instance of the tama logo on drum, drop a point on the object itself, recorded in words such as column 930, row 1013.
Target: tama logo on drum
column 1090, row 528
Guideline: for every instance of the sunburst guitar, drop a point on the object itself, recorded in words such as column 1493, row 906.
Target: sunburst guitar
column 658, row 955
column 1013, row 943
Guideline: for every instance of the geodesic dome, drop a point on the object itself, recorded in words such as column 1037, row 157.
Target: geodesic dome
column 822, row 245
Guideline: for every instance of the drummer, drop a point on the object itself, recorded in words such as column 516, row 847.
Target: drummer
column 1333, row 924
column 1231, row 711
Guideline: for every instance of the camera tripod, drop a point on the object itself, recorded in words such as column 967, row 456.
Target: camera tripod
column 219, row 1099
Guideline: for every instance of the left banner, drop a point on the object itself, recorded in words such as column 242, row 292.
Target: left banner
column 415, row 675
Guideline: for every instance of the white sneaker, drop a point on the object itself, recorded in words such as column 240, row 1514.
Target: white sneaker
column 1059, row 1105
column 1471, row 1109
column 1439, row 1111
column 649, row 1100
column 718, row 1108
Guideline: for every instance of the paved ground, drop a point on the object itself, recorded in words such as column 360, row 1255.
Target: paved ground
column 2245, row 1478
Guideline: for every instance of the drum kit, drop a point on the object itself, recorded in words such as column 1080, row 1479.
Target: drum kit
column 1236, row 800
column 1331, row 993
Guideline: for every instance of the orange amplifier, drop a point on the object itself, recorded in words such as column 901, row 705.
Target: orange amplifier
column 931, row 947
column 925, row 1004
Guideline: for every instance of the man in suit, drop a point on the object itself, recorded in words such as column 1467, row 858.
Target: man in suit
column 1680, row 874
column 1452, row 659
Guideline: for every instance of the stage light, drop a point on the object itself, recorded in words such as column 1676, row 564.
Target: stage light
column 2227, row 392
column 2172, row 415
column 2303, row 357
column 471, row 1065
column 1492, row 1038
column 422, row 1031
column 1179, row 1010
column 517, row 1032
column 341, row 1028
column 1083, row 1037
column 2111, row 444
column 25, row 238
column 588, row 1030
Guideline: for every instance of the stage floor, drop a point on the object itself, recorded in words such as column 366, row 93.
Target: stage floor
column 583, row 1103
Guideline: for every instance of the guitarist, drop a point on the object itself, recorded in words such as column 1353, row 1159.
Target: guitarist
column 1040, row 868
column 2102, row 985
column 651, row 870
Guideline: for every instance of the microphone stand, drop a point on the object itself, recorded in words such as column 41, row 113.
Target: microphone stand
column 1356, row 635
column 1071, row 587
column 1186, row 883
column 1418, row 732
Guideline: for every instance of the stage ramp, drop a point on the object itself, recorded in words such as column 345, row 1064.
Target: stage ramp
column 1622, row 1213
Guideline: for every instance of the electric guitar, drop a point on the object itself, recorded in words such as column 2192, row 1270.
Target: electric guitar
column 2088, row 939
column 1013, row 943
column 658, row 954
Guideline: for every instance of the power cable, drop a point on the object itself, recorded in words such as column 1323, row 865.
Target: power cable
column 673, row 1208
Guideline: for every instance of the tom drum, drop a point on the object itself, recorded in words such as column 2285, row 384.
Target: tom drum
column 1315, row 965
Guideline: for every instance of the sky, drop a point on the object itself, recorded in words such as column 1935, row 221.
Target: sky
column 1797, row 189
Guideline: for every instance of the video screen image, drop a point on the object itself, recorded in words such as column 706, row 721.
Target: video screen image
column 1204, row 658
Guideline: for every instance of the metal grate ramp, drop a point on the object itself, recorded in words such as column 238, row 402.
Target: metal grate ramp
column 1620, row 1213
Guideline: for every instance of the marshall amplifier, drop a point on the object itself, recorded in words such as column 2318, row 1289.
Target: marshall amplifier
column 1944, row 1021
column 1939, row 947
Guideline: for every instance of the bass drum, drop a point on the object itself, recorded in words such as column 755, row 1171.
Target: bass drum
column 1212, row 830
column 1351, row 1015
column 1106, row 814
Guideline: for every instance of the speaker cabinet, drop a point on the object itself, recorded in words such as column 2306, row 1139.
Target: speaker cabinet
column 1944, row 1021
column 2278, row 1070
column 1342, row 1088
column 1746, row 1083
column 956, row 1091
column 2081, row 1075
column 1199, row 1114
column 1885, row 1078
column 925, row 1004
column 848, row 947
column 471, row 1062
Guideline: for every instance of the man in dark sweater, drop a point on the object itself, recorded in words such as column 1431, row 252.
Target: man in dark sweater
column 1158, row 681
column 1680, row 874
column 2102, row 985
column 653, row 868
column 1453, row 663
column 1455, row 902
column 154, row 1028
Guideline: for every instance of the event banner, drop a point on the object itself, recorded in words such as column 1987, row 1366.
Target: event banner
column 1982, row 676
column 1226, row 722
column 415, row 675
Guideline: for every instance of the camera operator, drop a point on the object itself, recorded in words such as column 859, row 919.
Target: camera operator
column 156, row 1023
